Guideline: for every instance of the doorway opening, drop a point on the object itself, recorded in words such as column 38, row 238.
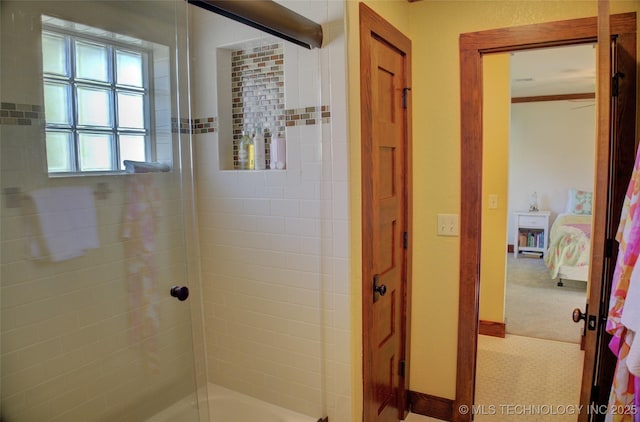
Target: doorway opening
column 539, row 146
column 612, row 175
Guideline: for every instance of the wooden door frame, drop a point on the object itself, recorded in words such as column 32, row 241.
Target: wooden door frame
column 472, row 48
column 373, row 24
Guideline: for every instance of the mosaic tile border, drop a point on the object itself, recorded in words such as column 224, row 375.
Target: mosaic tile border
column 303, row 116
column 20, row 114
column 204, row 125
column 307, row 116
column 181, row 125
column 28, row 114
column 194, row 126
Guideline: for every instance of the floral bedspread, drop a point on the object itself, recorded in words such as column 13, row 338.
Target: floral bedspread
column 569, row 242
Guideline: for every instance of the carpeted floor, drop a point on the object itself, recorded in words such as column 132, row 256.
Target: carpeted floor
column 536, row 306
column 527, row 371
column 516, row 373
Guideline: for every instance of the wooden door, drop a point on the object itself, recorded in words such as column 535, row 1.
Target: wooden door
column 384, row 75
column 614, row 159
column 594, row 332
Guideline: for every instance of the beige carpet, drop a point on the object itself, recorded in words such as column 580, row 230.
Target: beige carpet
column 523, row 378
column 536, row 306
column 526, row 379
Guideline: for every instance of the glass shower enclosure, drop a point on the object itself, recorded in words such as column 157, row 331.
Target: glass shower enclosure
column 96, row 213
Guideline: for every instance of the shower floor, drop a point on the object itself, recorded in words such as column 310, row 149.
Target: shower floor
column 229, row 406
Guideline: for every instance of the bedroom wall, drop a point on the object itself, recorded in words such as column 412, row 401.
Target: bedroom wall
column 551, row 151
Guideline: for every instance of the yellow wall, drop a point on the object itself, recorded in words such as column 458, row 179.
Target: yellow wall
column 495, row 172
column 355, row 209
column 434, row 27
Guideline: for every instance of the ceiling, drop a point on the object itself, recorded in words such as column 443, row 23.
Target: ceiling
column 553, row 71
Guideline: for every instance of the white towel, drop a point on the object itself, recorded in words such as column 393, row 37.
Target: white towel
column 67, row 217
column 631, row 319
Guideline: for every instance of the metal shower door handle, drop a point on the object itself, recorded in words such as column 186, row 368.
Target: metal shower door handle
column 180, row 292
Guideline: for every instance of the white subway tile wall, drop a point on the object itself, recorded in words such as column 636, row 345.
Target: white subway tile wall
column 275, row 243
column 275, row 261
column 69, row 349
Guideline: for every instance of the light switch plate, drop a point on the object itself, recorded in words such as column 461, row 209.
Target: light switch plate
column 493, row 202
column 448, row 225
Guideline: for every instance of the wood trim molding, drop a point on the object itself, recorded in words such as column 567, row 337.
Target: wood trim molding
column 568, row 32
column 558, row 97
column 472, row 47
column 432, row 406
column 493, row 329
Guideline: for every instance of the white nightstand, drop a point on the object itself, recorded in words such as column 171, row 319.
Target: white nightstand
column 532, row 232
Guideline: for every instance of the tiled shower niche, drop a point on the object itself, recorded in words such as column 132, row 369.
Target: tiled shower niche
column 251, row 88
column 257, row 77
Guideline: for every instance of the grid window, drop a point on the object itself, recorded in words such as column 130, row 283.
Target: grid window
column 96, row 97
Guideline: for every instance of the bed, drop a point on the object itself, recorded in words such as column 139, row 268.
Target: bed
column 569, row 248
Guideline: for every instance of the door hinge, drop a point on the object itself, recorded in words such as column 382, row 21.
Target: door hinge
column 404, row 97
column 405, row 240
column 401, row 367
column 615, row 83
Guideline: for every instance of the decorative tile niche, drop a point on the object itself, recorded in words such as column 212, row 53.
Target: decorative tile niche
column 250, row 94
column 257, row 80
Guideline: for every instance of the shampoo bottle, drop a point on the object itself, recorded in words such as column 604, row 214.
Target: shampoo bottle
column 243, row 151
column 278, row 152
column 260, row 158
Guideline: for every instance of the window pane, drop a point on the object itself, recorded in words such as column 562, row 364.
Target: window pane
column 129, row 68
column 54, row 54
column 91, row 61
column 96, row 101
column 94, row 107
column 131, row 148
column 130, row 110
column 95, row 151
column 59, row 152
column 56, row 104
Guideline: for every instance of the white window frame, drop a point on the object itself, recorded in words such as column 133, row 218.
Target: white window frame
column 73, row 83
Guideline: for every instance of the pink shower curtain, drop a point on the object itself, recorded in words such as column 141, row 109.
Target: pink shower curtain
column 624, row 397
column 141, row 219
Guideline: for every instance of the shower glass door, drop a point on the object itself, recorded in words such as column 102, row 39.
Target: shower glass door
column 96, row 213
